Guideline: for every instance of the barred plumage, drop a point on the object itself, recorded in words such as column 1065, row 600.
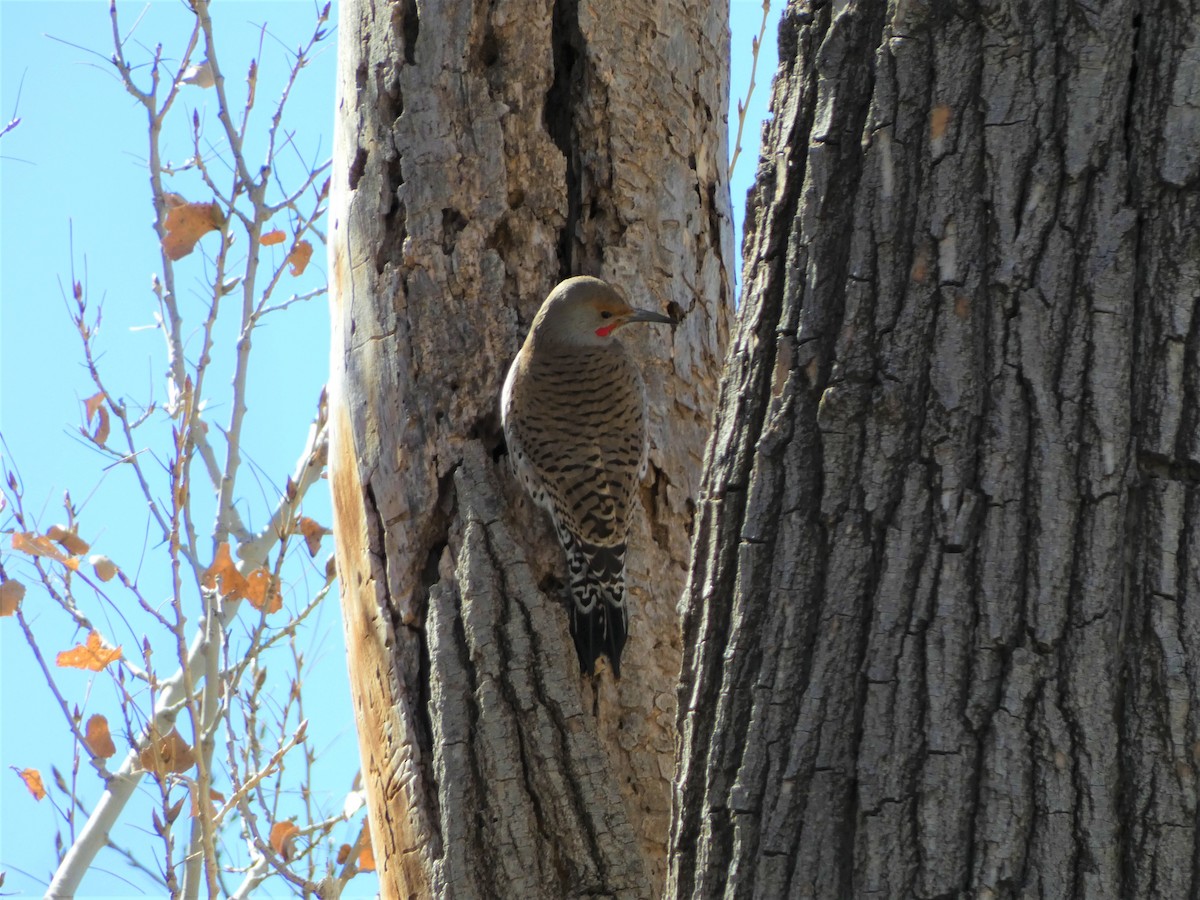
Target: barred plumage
column 574, row 417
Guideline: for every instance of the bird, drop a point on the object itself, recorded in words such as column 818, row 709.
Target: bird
column 573, row 410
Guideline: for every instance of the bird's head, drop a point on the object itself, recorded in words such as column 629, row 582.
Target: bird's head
column 585, row 311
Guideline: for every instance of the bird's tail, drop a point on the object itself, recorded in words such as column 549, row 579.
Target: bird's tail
column 598, row 616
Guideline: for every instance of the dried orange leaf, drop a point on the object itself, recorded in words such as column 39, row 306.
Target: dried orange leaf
column 98, row 739
column 366, row 857
column 299, row 257
column 93, row 403
column 33, row 781
column 223, row 572
column 186, row 224
column 35, row 545
column 40, row 545
column 11, row 594
column 100, row 435
column 283, row 839
column 233, row 585
column 273, row 237
column 313, row 531
column 68, row 539
column 92, row 656
column 222, row 563
column 343, row 853
column 261, row 592
column 105, row 567
column 169, row 754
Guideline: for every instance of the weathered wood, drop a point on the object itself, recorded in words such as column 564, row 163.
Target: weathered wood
column 483, row 152
column 530, row 802
column 940, row 635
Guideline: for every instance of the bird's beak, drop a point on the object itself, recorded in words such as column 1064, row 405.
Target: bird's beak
column 646, row 315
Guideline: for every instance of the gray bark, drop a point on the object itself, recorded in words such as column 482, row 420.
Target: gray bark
column 942, row 631
column 483, row 152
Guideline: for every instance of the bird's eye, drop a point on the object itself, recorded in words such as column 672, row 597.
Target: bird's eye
column 605, row 314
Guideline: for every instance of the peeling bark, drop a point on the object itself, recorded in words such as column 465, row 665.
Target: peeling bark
column 483, row 152
column 941, row 628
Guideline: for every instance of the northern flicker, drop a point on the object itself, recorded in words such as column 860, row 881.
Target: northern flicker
column 574, row 413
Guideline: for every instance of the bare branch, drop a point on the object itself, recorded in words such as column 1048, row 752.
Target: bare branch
column 743, row 105
column 174, row 691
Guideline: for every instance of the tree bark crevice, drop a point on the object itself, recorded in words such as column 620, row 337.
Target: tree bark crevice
column 949, row 605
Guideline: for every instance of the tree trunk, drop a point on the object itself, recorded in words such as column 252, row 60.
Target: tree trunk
column 483, row 152
column 942, row 631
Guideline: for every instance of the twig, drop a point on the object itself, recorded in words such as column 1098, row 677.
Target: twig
column 755, row 43
column 273, row 764
column 171, row 693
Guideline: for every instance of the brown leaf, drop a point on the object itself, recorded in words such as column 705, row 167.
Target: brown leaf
column 98, row 739
column 40, row 545
column 92, row 656
column 299, row 257
column 11, row 594
column 67, row 539
column 33, row 781
column 188, row 223
column 283, row 839
column 313, row 531
column 343, row 853
column 224, row 572
column 272, row 237
column 261, row 592
column 100, row 435
column 167, row 754
column 105, row 568
column 93, row 403
column 35, row 545
column 366, row 857
column 223, row 562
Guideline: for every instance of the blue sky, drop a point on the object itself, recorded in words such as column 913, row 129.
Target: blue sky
column 73, row 192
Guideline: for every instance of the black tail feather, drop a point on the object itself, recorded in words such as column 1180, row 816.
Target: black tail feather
column 599, row 631
column 598, row 616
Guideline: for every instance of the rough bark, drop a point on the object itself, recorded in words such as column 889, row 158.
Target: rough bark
column 483, row 152
column 942, row 632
